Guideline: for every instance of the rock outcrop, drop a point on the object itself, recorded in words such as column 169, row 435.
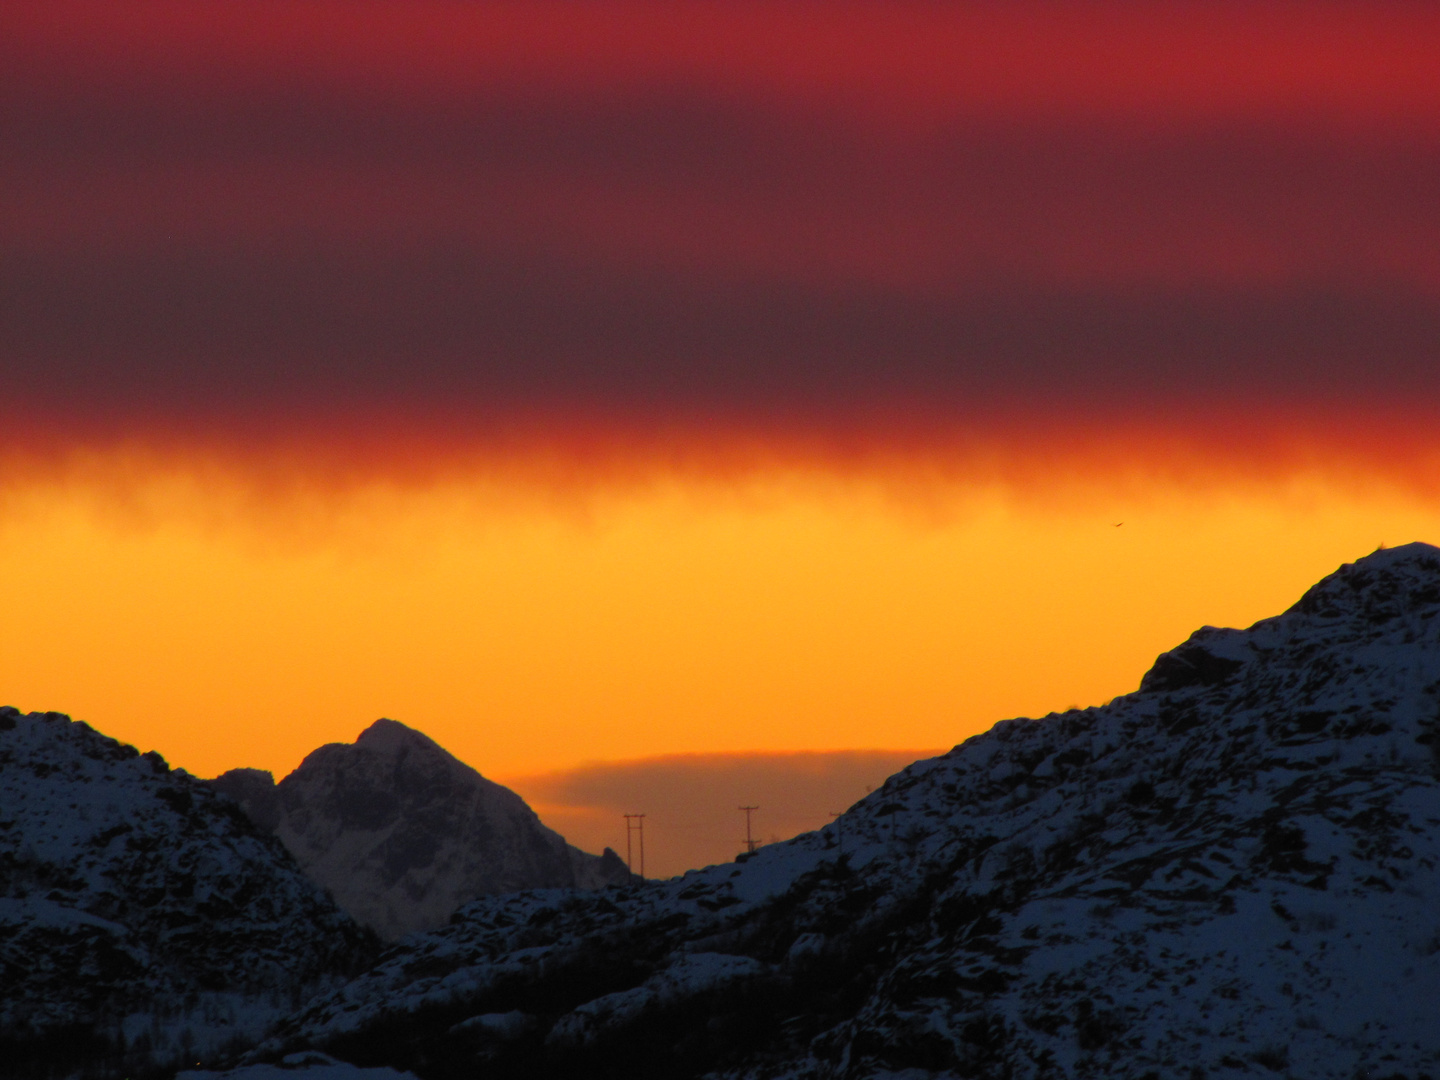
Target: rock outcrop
column 144, row 921
column 402, row 833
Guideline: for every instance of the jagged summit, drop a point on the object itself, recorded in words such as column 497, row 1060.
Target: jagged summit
column 1355, row 601
column 1234, row 870
column 402, row 832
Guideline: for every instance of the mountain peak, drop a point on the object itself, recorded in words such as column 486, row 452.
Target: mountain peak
column 1383, row 585
column 1357, row 602
column 255, row 791
column 402, row 832
column 386, row 734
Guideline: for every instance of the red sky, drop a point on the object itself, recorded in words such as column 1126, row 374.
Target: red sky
column 779, row 215
column 303, row 303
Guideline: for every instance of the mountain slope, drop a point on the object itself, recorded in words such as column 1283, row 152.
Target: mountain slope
column 142, row 916
column 402, row 833
column 1232, row 871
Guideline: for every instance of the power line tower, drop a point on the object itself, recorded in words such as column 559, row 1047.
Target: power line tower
column 635, row 823
column 750, row 842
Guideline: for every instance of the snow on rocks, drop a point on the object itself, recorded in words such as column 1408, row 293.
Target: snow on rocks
column 682, row 979
column 304, row 1066
column 142, row 918
column 402, row 833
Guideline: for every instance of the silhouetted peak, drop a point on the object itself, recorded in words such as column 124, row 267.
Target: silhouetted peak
column 260, row 778
column 255, row 791
column 389, row 735
column 1383, row 585
column 1353, row 603
column 402, row 832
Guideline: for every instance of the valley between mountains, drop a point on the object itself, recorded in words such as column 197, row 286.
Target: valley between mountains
column 1230, row 872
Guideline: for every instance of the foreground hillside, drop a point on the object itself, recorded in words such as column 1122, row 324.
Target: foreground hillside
column 1232, row 871
column 402, row 832
column 144, row 921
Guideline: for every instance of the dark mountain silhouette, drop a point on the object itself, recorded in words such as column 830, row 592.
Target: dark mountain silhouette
column 1232, row 871
column 402, row 833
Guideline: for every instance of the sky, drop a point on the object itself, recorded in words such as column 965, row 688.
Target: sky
column 609, row 390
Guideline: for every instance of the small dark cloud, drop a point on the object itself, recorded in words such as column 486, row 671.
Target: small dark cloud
column 691, row 801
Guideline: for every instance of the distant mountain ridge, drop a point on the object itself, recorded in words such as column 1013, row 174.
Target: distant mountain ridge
column 1234, row 871
column 402, row 833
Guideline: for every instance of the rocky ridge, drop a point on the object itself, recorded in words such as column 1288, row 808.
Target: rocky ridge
column 402, row 833
column 143, row 919
column 1230, row 872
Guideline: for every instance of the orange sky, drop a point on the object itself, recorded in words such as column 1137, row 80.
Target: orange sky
column 774, row 613
column 565, row 638
column 586, row 383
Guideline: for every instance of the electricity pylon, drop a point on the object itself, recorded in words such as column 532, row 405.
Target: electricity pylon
column 750, row 842
column 635, row 823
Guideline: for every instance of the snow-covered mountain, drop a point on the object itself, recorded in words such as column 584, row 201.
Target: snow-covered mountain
column 1232, row 871
column 402, row 833
column 143, row 919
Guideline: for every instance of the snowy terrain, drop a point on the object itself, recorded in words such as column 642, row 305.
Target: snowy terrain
column 1232, row 871
column 143, row 919
column 302, row 1066
column 402, row 833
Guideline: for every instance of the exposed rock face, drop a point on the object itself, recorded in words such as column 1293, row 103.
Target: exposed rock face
column 402, row 833
column 141, row 915
column 1234, row 870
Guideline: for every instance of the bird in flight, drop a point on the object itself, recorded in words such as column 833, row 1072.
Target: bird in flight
column 1118, row 524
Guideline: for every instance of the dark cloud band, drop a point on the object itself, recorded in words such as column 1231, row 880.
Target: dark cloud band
column 654, row 230
column 223, row 331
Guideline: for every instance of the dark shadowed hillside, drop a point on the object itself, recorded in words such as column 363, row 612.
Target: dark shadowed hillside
column 144, row 921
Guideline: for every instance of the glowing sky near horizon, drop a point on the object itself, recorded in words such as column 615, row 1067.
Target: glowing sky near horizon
column 527, row 637
column 583, row 382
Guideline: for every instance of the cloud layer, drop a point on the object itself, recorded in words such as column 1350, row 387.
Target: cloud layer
column 822, row 226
